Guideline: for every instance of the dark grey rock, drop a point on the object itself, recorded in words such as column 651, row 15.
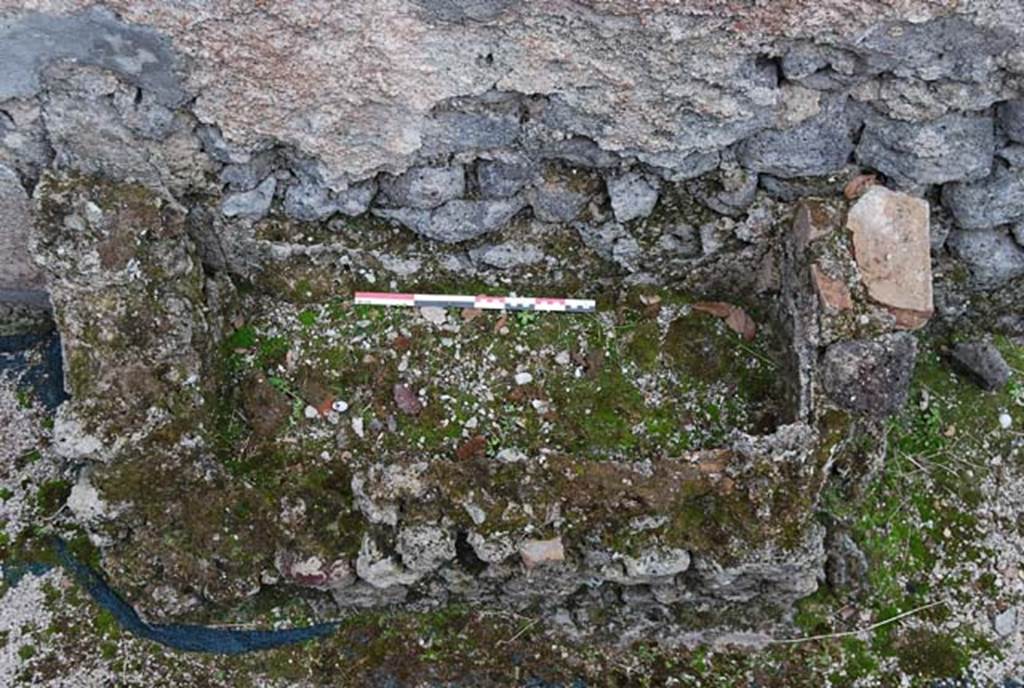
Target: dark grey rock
column 992, row 255
column 576, row 150
column 248, row 175
column 682, row 240
column 451, row 132
column 612, row 242
column 789, row 190
column 499, row 179
column 253, row 204
column 938, row 230
column 870, row 376
column 1011, row 118
column 17, row 271
column 144, row 115
column 94, row 37
column 822, row 68
column 632, row 195
column 553, row 200
column 942, row 48
column 310, row 201
column 219, row 149
column 675, row 167
column 728, row 192
column 1013, row 154
column 995, row 200
column 1017, row 231
column 508, row 255
column 846, row 567
column 950, row 148
column 24, row 141
column 982, row 363
column 424, row 187
column 356, row 199
column 86, row 131
column 457, row 220
column 817, row 146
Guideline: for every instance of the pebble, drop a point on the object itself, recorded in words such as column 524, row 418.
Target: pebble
column 471, row 423
column 357, row 426
column 434, row 314
column 1005, row 421
column 523, row 378
column 1006, row 623
column 311, row 412
column 562, row 358
column 340, row 406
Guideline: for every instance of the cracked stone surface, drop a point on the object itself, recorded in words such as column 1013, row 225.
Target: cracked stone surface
column 190, row 194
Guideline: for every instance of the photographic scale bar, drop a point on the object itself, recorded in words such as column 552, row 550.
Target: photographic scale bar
column 494, row 303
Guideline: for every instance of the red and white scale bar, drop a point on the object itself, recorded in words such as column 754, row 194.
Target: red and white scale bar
column 498, row 303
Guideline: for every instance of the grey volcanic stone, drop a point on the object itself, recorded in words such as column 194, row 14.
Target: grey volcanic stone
column 673, row 167
column 612, row 242
column 248, row 175
column 870, row 376
column 982, row 362
column 498, row 179
column 424, row 548
column 91, row 126
column 576, row 150
column 1011, row 117
column 508, row 255
column 17, row 272
column 1013, row 154
column 310, row 201
column 470, row 131
column 942, row 48
column 555, row 201
column 23, row 138
column 219, row 149
column 93, row 37
column 251, row 205
column 814, row 147
column 1017, row 231
column 458, row 220
column 424, row 187
column 632, row 195
column 995, row 200
column 950, row 148
column 729, row 192
column 992, row 255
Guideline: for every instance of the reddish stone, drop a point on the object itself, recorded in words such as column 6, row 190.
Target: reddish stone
column 892, row 246
column 833, row 293
column 473, row 448
column 406, row 400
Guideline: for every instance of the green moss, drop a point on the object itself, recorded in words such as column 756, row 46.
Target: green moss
column 27, row 652
column 926, row 654
column 52, row 495
column 242, row 338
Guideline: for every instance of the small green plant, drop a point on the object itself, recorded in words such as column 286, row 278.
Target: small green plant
column 1016, row 392
column 24, row 396
column 308, row 317
column 524, row 318
column 242, row 338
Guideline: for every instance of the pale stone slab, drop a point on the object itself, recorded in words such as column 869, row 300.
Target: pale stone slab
column 537, row 552
column 892, row 248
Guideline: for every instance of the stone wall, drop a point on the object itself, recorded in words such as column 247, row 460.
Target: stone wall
column 188, row 162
